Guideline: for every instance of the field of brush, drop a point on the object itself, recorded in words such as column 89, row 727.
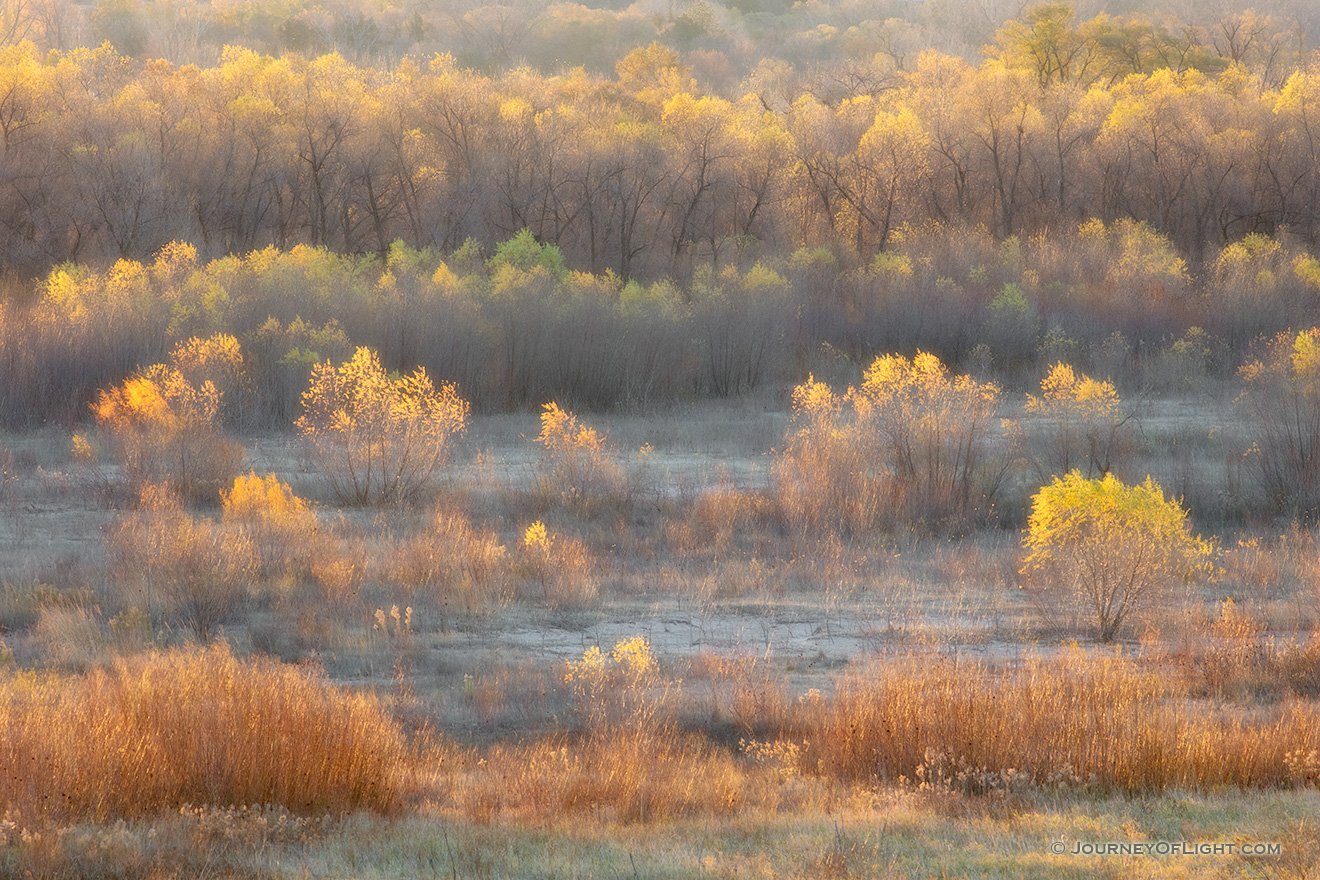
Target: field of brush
column 635, row 661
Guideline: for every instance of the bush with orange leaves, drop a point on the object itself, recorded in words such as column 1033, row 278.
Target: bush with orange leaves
column 909, row 446
column 164, row 422
column 378, row 438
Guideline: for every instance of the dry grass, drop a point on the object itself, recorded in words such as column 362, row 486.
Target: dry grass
column 183, row 568
column 1100, row 722
column 756, row 706
column 450, row 563
column 155, row 733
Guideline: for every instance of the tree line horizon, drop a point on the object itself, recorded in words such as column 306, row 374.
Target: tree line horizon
column 648, row 175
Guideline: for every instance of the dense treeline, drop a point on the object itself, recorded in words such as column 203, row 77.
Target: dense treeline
column 642, row 173
column 822, row 47
column 518, row 327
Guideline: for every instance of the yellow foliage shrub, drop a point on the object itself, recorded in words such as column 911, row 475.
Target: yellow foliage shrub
column 576, row 469
column 278, row 522
column 909, row 445
column 378, row 439
column 1083, row 424
column 557, row 568
column 1281, row 398
column 164, row 426
column 1108, row 548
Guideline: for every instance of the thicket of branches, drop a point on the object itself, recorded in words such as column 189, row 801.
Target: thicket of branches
column 520, row 328
column 648, row 172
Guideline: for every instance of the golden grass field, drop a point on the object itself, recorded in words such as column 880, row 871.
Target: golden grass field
column 627, row 664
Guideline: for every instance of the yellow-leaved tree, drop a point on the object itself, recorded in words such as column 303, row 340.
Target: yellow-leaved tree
column 1084, row 424
column 1112, row 549
column 163, row 422
column 378, row 438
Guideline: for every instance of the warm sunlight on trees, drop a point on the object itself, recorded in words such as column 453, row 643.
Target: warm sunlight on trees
column 377, row 438
column 911, row 444
column 1115, row 549
column 164, row 421
column 1281, row 398
column 1084, row 422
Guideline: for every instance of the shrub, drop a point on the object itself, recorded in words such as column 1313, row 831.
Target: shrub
column 181, row 568
column 377, row 438
column 276, row 521
column 1111, row 548
column 909, row 445
column 1281, row 400
column 614, row 690
column 450, row 563
column 577, row 472
column 164, row 425
column 1084, row 424
column 558, row 567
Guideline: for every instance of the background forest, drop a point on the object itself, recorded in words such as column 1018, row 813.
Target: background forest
column 671, row 205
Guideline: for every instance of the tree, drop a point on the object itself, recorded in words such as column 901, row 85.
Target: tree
column 1084, row 420
column 909, row 446
column 164, row 421
column 378, row 438
column 1115, row 549
column 1281, row 400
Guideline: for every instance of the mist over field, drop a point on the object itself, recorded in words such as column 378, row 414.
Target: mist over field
column 669, row 439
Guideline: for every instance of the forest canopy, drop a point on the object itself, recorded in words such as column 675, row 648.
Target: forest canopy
column 1134, row 192
column 666, row 159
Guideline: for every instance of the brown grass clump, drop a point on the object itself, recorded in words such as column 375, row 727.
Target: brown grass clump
column 1239, row 659
column 621, row 777
column 1097, row 722
column 451, row 563
column 183, row 568
column 199, row 727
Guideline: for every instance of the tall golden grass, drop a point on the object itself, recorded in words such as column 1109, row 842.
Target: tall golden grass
column 1099, row 722
column 198, row 727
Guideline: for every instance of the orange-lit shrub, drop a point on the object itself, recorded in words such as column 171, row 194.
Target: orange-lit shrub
column 555, row 568
column 278, row 522
column 164, row 424
column 576, row 469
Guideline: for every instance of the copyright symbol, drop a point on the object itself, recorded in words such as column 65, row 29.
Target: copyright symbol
column 1058, row 848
